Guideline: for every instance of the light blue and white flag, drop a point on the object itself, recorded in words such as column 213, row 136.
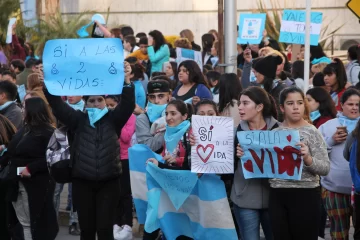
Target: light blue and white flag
column 138, row 155
column 204, row 213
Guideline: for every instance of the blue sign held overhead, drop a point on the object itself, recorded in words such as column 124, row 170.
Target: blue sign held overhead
column 76, row 67
column 271, row 154
column 293, row 27
column 251, row 27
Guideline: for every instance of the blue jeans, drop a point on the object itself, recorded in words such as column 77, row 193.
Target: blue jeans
column 249, row 220
column 58, row 190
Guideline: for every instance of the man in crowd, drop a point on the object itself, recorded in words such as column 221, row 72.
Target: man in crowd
column 8, row 107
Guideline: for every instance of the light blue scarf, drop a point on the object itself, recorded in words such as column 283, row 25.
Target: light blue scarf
column 3, row 151
column 154, row 111
column 315, row 115
column 349, row 123
column 77, row 106
column 173, row 135
column 5, row 105
column 252, row 76
column 95, row 114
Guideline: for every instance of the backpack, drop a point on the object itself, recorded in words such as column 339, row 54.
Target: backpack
column 58, row 156
column 355, row 175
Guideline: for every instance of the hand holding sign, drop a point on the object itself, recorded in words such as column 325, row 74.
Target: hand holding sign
column 84, row 66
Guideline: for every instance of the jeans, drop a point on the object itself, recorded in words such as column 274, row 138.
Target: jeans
column 58, row 190
column 22, row 210
column 249, row 221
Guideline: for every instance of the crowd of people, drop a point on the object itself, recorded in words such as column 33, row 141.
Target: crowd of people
column 158, row 99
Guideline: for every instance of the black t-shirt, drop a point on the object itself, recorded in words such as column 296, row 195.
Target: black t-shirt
column 191, row 93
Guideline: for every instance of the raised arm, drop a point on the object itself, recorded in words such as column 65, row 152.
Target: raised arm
column 106, row 32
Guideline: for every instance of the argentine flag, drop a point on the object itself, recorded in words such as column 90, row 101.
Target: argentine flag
column 180, row 203
column 138, row 155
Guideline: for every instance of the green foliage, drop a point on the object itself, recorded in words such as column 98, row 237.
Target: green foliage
column 8, row 9
column 58, row 26
column 273, row 22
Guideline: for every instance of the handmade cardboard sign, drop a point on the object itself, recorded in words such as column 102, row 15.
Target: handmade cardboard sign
column 214, row 148
column 183, row 54
column 77, row 67
column 293, row 27
column 251, row 27
column 12, row 21
column 271, row 154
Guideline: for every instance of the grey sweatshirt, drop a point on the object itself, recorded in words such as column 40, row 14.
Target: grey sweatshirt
column 14, row 114
column 339, row 179
column 320, row 165
column 143, row 135
column 251, row 193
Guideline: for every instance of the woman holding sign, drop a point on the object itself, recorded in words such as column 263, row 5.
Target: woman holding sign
column 95, row 155
column 294, row 205
column 257, row 111
column 336, row 192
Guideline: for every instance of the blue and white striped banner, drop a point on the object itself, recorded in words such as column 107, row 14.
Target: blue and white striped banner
column 205, row 213
column 138, row 155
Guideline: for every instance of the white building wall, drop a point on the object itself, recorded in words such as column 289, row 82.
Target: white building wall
column 171, row 16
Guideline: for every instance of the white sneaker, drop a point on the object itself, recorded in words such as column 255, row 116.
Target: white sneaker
column 124, row 234
column 116, row 230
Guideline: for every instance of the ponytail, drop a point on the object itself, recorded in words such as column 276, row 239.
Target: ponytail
column 337, row 68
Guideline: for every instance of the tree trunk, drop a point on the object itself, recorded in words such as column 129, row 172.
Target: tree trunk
column 51, row 7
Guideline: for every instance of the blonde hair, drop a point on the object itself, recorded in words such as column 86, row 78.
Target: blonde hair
column 187, row 33
column 34, row 82
column 320, row 66
column 277, row 53
column 183, row 43
column 265, row 51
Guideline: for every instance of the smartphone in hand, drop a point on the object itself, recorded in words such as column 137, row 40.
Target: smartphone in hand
column 96, row 32
column 19, row 170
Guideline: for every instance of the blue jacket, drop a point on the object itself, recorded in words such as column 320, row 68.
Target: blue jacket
column 158, row 58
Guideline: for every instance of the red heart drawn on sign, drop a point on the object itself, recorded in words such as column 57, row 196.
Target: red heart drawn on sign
column 249, row 166
column 288, row 138
column 211, row 127
column 205, row 152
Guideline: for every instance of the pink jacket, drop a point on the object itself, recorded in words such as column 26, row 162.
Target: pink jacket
column 125, row 137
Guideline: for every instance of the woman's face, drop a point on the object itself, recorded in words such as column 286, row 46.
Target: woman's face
column 259, row 77
column 168, row 70
column 313, row 105
column 183, row 75
column 96, row 102
column 315, row 68
column 331, row 81
column 248, row 109
column 206, row 110
column 350, row 108
column 173, row 116
column 294, row 107
column 111, row 103
column 213, row 51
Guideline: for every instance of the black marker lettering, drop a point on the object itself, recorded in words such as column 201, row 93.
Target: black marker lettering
column 62, row 85
column 112, row 49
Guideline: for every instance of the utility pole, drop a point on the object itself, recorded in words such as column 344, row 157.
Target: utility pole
column 230, row 36
column 221, row 31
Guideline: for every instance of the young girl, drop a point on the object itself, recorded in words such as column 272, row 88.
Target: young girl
column 177, row 149
column 294, row 205
column 335, row 78
column 336, row 192
column 322, row 107
column 257, row 111
column 206, row 108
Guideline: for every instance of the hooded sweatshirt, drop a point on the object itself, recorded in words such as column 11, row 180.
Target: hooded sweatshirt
column 339, row 179
column 250, row 193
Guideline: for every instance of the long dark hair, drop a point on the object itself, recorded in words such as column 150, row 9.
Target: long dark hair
column 229, row 89
column 206, row 102
column 293, row 89
column 337, row 68
column 297, row 70
column 158, row 38
column 316, row 52
column 353, row 52
column 182, row 107
column 37, row 114
column 326, row 104
column 195, row 74
column 260, row 96
column 7, row 130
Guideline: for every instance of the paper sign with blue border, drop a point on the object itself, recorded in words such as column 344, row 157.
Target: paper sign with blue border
column 271, row 154
column 251, row 27
column 76, row 67
column 293, row 27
